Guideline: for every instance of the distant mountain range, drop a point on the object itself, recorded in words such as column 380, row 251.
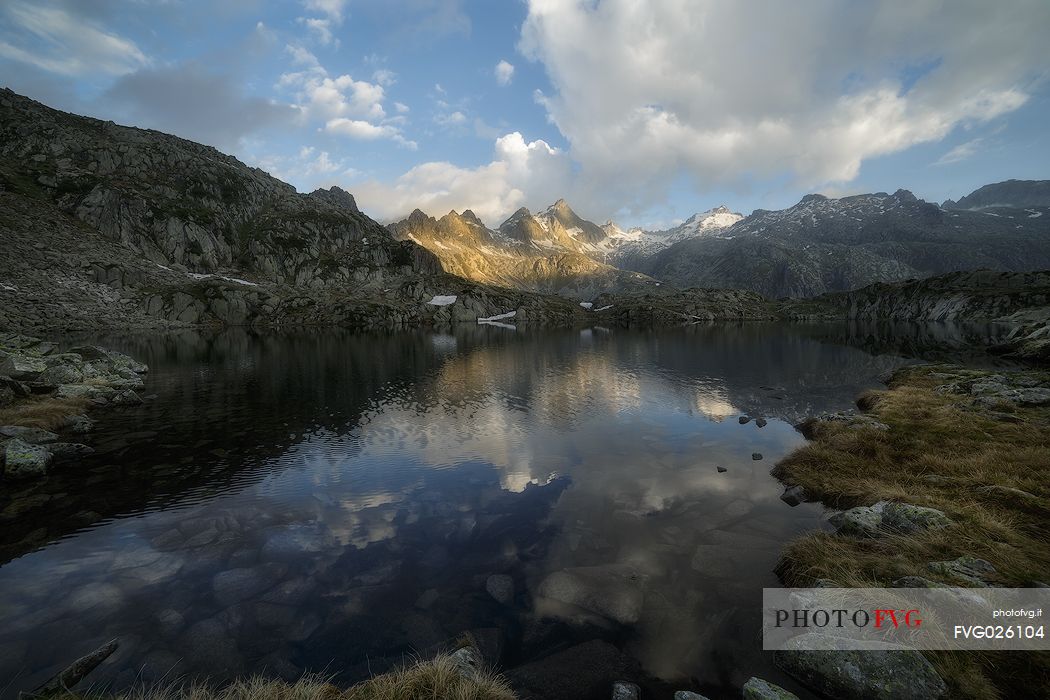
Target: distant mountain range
column 819, row 245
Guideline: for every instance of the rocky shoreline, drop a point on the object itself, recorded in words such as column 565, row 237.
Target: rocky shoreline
column 45, row 395
column 963, row 446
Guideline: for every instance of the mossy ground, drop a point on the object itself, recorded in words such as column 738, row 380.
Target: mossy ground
column 940, row 450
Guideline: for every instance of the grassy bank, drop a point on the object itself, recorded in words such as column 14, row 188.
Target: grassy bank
column 43, row 412
column 981, row 459
column 440, row 678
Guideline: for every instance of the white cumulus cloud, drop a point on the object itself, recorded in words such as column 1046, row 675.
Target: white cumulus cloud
column 646, row 92
column 521, row 173
column 504, row 73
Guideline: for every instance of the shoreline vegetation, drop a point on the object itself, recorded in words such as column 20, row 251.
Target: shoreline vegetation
column 942, row 481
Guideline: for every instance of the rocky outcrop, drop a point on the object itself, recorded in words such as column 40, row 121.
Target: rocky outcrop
column 176, row 202
column 83, row 375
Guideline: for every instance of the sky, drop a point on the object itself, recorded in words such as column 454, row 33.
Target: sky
column 639, row 111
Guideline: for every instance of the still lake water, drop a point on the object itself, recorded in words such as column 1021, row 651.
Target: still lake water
column 328, row 501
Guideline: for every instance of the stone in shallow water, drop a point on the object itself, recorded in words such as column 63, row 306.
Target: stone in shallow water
column 612, row 591
column 234, row 585
column 882, row 673
column 756, row 456
column 25, row 461
column 793, row 496
column 758, row 689
column 715, row 561
column 688, row 695
column 293, row 542
column 501, row 588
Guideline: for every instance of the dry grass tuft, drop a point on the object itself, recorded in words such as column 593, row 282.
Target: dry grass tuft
column 45, row 413
column 437, row 679
column 939, row 451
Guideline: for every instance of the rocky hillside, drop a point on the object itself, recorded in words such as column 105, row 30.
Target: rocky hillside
column 824, row 245
column 111, row 226
column 551, row 252
column 1011, row 194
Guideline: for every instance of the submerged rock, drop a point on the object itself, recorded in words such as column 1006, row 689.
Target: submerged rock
column 501, row 588
column 688, row 695
column 612, row 591
column 881, row 673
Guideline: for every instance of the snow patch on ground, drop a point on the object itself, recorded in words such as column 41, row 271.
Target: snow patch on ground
column 1035, row 215
column 8, row 287
column 498, row 324
column 235, row 280
column 604, row 308
column 586, row 304
column 498, row 317
column 443, row 300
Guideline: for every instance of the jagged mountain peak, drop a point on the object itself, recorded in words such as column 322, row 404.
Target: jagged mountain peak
column 336, row 196
column 469, row 215
column 418, row 216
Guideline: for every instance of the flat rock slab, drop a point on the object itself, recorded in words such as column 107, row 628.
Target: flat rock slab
column 758, row 689
column 584, row 672
column 900, row 674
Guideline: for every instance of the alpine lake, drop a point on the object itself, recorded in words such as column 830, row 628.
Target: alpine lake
column 325, row 501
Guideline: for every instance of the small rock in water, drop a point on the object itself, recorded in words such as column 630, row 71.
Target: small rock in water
column 758, row 689
column 721, row 470
column 744, row 419
column 756, row 456
column 622, row 690
column 793, row 496
column 761, row 422
column 501, row 588
column 688, row 695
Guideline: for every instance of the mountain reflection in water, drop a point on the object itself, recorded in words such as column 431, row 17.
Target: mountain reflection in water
column 330, row 501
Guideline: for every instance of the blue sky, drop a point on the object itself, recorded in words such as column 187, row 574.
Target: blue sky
column 642, row 112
